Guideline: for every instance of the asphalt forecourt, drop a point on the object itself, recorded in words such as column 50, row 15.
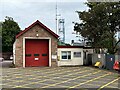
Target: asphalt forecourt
column 60, row 77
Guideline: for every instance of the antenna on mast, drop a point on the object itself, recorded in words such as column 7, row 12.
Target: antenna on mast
column 56, row 17
column 60, row 29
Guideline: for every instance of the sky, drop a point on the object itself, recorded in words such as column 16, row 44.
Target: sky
column 25, row 12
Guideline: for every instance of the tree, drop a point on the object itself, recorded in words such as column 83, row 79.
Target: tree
column 9, row 30
column 100, row 24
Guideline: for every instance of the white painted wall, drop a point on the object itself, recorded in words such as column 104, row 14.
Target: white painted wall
column 74, row 60
column 14, row 52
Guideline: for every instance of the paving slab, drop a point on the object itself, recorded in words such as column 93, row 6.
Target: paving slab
column 59, row 77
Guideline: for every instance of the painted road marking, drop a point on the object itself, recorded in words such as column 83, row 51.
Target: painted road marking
column 70, row 79
column 52, row 75
column 109, row 83
column 89, row 81
column 39, row 76
column 63, row 70
column 50, row 79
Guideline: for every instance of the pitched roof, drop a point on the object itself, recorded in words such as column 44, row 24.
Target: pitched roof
column 39, row 23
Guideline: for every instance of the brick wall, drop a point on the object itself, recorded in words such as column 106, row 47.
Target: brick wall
column 32, row 33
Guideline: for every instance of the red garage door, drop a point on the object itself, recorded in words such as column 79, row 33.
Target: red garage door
column 36, row 52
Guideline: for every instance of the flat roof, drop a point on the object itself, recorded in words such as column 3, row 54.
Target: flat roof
column 75, row 47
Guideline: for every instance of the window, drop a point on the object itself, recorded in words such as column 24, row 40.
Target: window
column 27, row 55
column 36, row 54
column 77, row 54
column 44, row 54
column 66, row 55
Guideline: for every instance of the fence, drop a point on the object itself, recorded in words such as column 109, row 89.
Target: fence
column 107, row 60
column 99, row 58
column 117, row 57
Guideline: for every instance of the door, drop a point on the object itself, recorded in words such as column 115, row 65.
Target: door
column 36, row 52
column 89, row 59
column 84, row 58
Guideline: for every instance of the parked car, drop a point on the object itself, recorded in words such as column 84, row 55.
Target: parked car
column 1, row 59
column 11, row 57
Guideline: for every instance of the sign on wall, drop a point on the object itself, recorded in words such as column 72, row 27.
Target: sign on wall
column 54, row 56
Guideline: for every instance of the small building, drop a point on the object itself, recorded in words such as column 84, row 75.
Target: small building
column 73, row 55
column 35, row 46
column 70, row 55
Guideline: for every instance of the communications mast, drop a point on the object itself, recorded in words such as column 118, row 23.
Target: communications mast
column 61, row 30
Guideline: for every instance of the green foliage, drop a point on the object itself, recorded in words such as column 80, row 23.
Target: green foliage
column 0, row 29
column 9, row 30
column 100, row 24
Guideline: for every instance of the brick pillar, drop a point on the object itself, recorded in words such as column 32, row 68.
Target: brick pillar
column 54, row 63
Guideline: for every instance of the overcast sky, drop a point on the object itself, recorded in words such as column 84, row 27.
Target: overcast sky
column 25, row 12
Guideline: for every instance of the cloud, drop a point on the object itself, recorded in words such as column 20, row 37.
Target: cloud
column 26, row 12
column 19, row 1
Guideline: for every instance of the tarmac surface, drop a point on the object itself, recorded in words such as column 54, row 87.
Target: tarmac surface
column 60, row 77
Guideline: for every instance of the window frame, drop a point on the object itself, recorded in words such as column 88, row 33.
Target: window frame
column 77, row 56
column 68, row 52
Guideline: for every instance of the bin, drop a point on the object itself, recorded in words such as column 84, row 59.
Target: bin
column 110, row 60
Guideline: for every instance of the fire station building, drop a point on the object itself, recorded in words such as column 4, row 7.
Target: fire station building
column 35, row 46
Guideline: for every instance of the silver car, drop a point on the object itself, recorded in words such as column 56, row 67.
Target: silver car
column 1, row 59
